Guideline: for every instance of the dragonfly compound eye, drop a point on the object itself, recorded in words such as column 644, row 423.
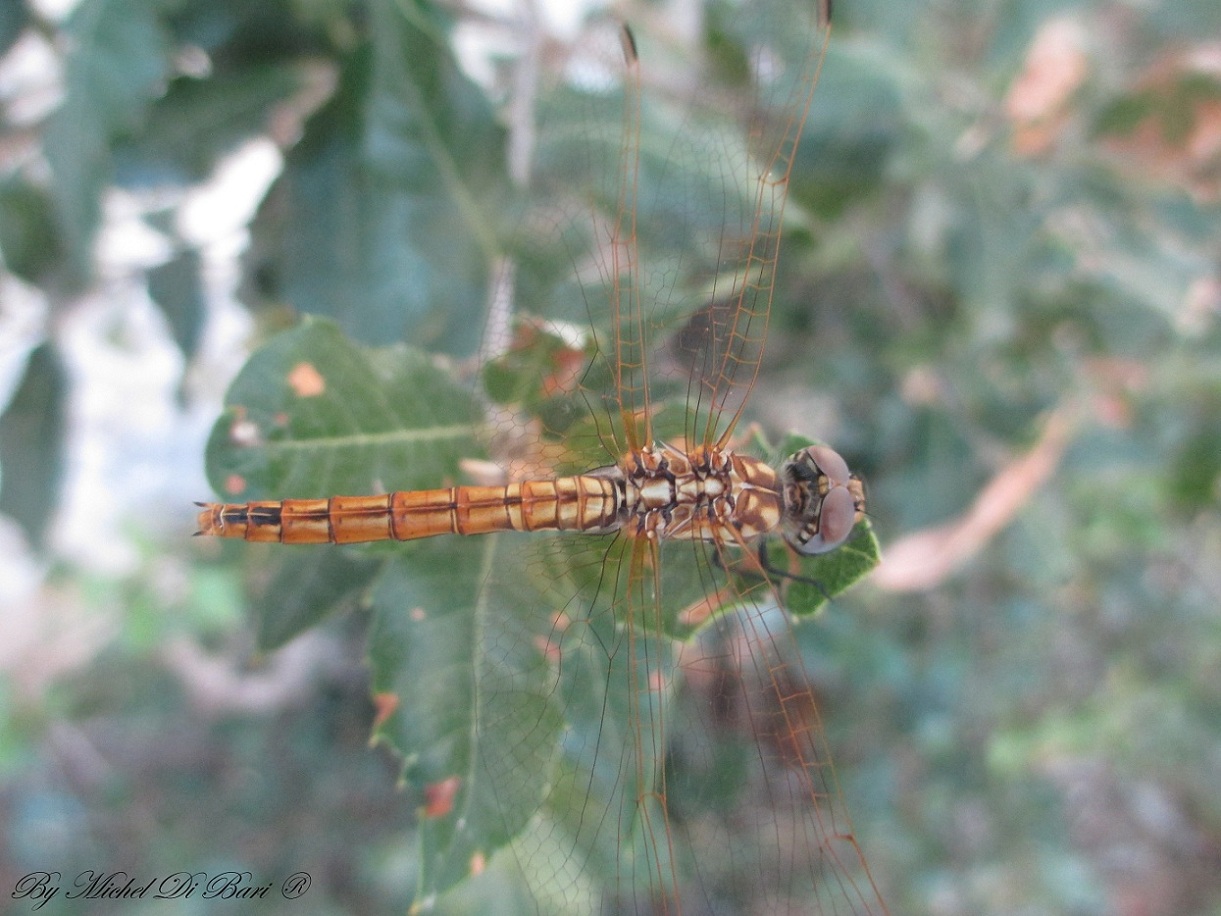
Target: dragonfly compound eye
column 831, row 464
column 835, row 521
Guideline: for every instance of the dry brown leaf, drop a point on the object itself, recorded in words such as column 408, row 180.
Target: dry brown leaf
column 924, row 559
column 1179, row 139
column 1037, row 102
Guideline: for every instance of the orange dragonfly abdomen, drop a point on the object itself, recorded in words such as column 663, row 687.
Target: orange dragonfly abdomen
column 585, row 503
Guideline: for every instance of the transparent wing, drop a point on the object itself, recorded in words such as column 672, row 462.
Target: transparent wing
column 692, row 773
column 575, row 760
column 679, row 171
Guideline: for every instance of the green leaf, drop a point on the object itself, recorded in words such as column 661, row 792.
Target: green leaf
column 116, row 65
column 29, row 241
column 308, row 584
column 13, row 18
column 386, row 203
column 313, row 415
column 176, row 286
column 830, row 574
column 197, row 121
column 618, row 680
column 32, row 443
column 475, row 714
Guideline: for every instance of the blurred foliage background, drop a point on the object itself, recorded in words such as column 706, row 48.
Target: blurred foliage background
column 1001, row 304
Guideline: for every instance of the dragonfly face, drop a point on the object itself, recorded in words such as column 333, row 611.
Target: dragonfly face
column 823, row 501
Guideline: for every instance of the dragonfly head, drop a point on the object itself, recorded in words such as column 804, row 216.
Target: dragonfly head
column 823, row 501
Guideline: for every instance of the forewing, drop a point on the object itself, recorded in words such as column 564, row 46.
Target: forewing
column 685, row 169
column 655, row 209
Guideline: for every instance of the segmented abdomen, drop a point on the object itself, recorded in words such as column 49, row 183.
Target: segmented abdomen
column 585, row 503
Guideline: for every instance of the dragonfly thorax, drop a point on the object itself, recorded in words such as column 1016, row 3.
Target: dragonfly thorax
column 705, row 494
column 713, row 495
column 823, row 500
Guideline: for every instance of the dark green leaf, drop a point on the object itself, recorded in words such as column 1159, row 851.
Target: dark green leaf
column 829, row 574
column 240, row 34
column 474, row 710
column 391, row 195
column 13, row 18
column 176, row 286
column 313, row 415
column 309, row 584
column 29, row 240
column 32, row 443
column 197, row 121
column 850, row 136
column 117, row 63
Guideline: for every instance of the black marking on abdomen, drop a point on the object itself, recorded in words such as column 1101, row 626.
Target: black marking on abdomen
column 260, row 516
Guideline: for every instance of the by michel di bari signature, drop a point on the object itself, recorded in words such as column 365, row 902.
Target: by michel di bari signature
column 39, row 887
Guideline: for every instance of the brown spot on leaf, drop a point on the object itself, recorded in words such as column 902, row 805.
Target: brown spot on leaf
column 384, row 705
column 439, row 797
column 235, row 485
column 567, row 365
column 548, row 648
column 306, row 381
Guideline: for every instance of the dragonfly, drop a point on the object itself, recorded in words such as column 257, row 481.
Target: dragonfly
column 600, row 700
